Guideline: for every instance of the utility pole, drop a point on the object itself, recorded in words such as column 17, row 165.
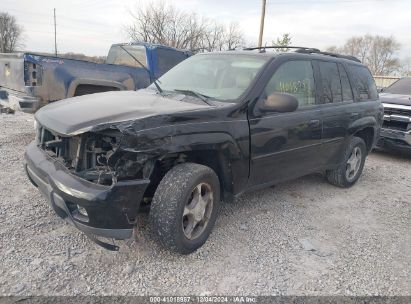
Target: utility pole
column 55, row 34
column 260, row 38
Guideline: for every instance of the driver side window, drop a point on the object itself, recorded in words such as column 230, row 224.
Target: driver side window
column 296, row 78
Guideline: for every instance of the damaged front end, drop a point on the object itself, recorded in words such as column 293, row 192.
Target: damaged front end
column 96, row 157
column 90, row 180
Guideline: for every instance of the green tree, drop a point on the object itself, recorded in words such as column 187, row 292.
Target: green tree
column 284, row 40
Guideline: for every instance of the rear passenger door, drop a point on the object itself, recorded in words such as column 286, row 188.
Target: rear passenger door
column 337, row 109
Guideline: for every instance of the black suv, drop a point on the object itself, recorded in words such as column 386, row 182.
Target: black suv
column 213, row 127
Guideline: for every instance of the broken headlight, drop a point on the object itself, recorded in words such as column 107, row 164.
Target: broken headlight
column 104, row 161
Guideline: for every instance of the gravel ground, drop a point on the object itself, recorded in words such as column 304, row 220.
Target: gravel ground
column 303, row 237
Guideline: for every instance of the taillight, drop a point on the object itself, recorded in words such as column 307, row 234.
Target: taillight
column 32, row 74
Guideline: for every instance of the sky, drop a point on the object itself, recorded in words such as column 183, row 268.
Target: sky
column 90, row 27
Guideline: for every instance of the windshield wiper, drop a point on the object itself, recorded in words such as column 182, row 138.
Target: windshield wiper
column 155, row 80
column 199, row 95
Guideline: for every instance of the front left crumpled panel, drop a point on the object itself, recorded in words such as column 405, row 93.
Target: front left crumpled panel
column 228, row 137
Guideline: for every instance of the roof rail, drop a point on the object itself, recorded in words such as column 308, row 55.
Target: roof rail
column 278, row 47
column 304, row 50
column 316, row 51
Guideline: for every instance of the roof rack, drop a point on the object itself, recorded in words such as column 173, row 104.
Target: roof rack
column 304, row 50
column 279, row 47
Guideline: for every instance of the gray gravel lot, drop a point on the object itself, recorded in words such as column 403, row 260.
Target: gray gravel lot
column 303, row 237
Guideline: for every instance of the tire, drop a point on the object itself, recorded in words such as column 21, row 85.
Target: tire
column 189, row 189
column 339, row 177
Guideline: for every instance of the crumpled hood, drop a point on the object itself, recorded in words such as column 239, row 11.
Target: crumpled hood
column 81, row 114
column 395, row 99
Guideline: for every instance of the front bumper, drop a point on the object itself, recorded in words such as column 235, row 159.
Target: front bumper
column 395, row 139
column 396, row 130
column 111, row 209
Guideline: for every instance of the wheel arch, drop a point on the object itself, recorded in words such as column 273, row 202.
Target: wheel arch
column 365, row 129
column 214, row 159
column 103, row 84
column 366, row 134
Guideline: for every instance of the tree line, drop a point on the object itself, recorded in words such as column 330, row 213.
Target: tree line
column 164, row 24
column 158, row 22
column 378, row 53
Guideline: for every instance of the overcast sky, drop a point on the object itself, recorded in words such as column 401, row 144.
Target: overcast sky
column 90, row 27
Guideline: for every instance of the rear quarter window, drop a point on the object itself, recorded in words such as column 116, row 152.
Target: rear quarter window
column 345, row 84
column 364, row 83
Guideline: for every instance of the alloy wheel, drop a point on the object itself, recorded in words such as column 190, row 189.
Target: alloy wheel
column 197, row 211
column 353, row 163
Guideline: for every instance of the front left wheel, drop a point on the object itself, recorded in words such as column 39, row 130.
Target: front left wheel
column 185, row 206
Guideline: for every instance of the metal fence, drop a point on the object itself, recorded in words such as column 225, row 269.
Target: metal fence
column 385, row 81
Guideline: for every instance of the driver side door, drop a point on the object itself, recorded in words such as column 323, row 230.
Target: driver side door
column 286, row 145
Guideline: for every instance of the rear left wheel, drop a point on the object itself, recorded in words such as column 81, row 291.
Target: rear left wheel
column 349, row 171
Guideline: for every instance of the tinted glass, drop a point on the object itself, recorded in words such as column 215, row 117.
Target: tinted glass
column 296, row 78
column 364, row 83
column 345, row 84
column 402, row 86
column 166, row 59
column 220, row 76
column 331, row 84
column 117, row 55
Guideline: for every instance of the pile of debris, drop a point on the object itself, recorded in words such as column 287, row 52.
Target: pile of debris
column 6, row 110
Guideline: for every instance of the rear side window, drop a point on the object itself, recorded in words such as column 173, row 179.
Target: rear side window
column 166, row 59
column 296, row 78
column 345, row 84
column 331, row 84
column 364, row 83
column 118, row 55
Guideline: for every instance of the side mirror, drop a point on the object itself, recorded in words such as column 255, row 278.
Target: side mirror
column 280, row 102
column 380, row 90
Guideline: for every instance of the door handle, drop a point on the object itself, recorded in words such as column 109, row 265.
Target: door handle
column 314, row 123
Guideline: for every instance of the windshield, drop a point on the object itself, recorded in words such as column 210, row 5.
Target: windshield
column 402, row 86
column 222, row 77
column 117, row 55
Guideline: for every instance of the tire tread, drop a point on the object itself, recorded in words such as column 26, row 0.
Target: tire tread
column 165, row 206
column 336, row 176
